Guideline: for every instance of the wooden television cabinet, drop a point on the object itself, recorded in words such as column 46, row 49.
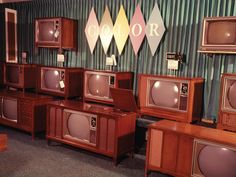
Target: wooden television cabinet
column 171, row 97
column 24, row 111
column 172, row 147
column 110, row 132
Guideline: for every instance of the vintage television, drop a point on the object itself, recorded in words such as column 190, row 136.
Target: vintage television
column 20, row 76
column 218, row 35
column 97, row 84
column 56, row 33
column 9, row 109
column 170, row 97
column 227, row 111
column 61, row 81
column 80, row 127
column 213, row 159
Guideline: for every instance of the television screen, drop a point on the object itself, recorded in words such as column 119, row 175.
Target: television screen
column 167, row 94
column 164, row 94
column 231, row 96
column 221, row 32
column 12, row 74
column 46, row 31
column 98, row 85
column 229, row 93
column 80, row 126
column 9, row 109
column 214, row 160
column 52, row 79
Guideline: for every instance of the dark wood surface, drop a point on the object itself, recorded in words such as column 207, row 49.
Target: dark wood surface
column 3, row 142
column 1, row 74
column 27, row 75
column 194, row 103
column 68, row 34
column 115, row 129
column 31, row 116
column 170, row 145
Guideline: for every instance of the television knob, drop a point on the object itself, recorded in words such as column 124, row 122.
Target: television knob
column 184, row 88
column 93, row 122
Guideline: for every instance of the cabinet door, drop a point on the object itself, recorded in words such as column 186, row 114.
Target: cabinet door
column 184, row 160
column 26, row 114
column 107, row 134
column 54, row 122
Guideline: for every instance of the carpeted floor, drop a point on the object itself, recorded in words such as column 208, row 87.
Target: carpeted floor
column 27, row 158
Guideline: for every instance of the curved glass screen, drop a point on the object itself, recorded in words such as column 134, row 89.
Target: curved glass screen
column 232, row 95
column 78, row 126
column 217, row 162
column 9, row 109
column 52, row 79
column 98, row 85
column 165, row 94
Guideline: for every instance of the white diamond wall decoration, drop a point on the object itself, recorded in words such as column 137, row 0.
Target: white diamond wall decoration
column 92, row 30
column 121, row 29
column 137, row 29
column 154, row 29
column 106, row 27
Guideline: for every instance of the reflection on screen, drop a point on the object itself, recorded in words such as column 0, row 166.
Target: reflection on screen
column 165, row 94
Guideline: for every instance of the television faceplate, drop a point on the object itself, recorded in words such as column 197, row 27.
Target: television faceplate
column 154, row 79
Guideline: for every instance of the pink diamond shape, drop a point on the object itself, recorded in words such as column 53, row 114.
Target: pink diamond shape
column 92, row 30
column 137, row 29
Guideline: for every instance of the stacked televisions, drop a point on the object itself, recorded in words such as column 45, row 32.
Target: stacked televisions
column 16, row 76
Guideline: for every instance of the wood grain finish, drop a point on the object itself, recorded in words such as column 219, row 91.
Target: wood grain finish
column 192, row 101
column 121, row 80
column 68, row 37
column 176, row 146
column 31, row 116
column 3, row 142
column 73, row 81
column 115, row 129
column 27, row 75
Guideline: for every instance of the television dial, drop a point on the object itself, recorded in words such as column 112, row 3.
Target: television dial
column 184, row 89
column 93, row 122
column 62, row 75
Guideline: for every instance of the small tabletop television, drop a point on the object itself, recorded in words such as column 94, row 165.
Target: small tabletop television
column 59, row 81
column 218, row 34
column 97, row 84
column 20, row 75
column 176, row 98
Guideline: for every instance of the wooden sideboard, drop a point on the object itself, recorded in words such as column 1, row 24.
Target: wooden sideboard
column 111, row 132
column 170, row 147
column 3, row 142
column 24, row 111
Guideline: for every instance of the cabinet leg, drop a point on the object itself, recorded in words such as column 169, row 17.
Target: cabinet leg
column 33, row 136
